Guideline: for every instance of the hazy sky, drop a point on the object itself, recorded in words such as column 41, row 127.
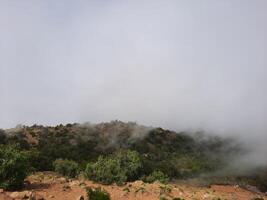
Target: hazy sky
column 177, row 64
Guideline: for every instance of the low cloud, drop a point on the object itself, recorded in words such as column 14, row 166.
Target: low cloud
column 179, row 65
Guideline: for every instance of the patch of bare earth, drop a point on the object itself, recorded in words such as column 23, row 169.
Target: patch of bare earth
column 48, row 185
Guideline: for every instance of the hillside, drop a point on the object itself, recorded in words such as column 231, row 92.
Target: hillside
column 174, row 157
column 185, row 154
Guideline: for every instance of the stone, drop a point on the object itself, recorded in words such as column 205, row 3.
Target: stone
column 74, row 183
column 62, row 180
column 38, row 197
column 253, row 189
column 81, row 197
column 21, row 195
column 26, row 195
column 66, row 187
column 1, row 190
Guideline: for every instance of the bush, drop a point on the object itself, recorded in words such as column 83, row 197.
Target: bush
column 163, row 198
column 157, row 176
column 130, row 163
column 14, row 167
column 97, row 194
column 2, row 137
column 66, row 167
column 118, row 168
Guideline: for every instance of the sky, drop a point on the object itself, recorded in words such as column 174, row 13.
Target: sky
column 182, row 65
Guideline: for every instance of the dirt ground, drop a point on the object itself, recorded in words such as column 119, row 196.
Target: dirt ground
column 51, row 186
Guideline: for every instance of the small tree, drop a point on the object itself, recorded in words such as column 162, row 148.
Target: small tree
column 157, row 176
column 130, row 162
column 97, row 194
column 118, row 168
column 14, row 167
column 66, row 167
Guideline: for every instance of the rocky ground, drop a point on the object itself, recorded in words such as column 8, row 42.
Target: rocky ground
column 48, row 185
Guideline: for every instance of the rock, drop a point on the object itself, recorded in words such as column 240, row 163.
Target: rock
column 137, row 183
column 1, row 190
column 206, row 196
column 21, row 195
column 14, row 195
column 27, row 182
column 74, row 183
column 252, row 189
column 26, row 195
column 70, row 180
column 81, row 197
column 62, row 180
column 38, row 197
column 66, row 187
column 51, row 196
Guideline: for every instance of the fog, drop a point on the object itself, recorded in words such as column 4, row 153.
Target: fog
column 182, row 65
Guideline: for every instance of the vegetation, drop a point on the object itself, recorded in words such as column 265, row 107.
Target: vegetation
column 14, row 167
column 157, row 176
column 118, row 168
column 163, row 198
column 97, row 194
column 66, row 167
column 177, row 155
column 115, row 152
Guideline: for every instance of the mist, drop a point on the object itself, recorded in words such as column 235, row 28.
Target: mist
column 181, row 65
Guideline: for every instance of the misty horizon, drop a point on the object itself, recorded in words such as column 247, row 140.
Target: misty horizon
column 179, row 65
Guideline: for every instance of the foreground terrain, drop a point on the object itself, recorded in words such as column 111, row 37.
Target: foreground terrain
column 149, row 163
column 48, row 185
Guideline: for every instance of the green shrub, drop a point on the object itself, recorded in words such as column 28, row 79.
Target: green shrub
column 66, row 167
column 118, row 168
column 141, row 189
column 130, row 163
column 157, row 176
column 35, row 159
column 106, row 171
column 126, row 189
column 165, row 189
column 2, row 137
column 163, row 198
column 14, row 167
column 97, row 194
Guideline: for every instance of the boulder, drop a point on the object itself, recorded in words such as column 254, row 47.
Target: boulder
column 74, row 183
column 25, row 195
column 62, row 180
column 252, row 189
column 21, row 195
column 38, row 197
column 81, row 197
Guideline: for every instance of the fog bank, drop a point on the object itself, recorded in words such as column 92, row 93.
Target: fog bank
column 182, row 65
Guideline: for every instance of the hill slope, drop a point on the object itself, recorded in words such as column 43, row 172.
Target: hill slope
column 178, row 155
